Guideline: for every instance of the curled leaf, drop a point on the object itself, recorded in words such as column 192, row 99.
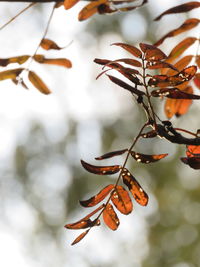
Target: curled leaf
column 112, row 154
column 110, row 217
column 143, row 158
column 101, row 170
column 97, row 198
column 122, row 200
column 38, row 83
column 48, row 44
column 180, row 8
column 135, row 188
column 10, row 74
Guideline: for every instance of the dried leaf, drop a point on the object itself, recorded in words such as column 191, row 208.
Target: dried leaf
column 97, row 198
column 20, row 60
column 48, row 44
column 82, row 224
column 69, row 3
column 10, row 74
column 161, row 65
column 135, row 188
column 178, row 107
column 38, row 83
column 131, row 49
column 112, row 154
column 126, row 86
column 180, row 65
column 180, row 48
column 90, row 9
column 110, row 217
column 196, row 80
column 129, row 61
column 173, row 93
column 187, row 25
column 80, row 237
column 179, row 9
column 101, row 170
column 122, row 200
column 152, row 53
column 193, row 162
column 53, row 61
column 193, row 151
column 143, row 158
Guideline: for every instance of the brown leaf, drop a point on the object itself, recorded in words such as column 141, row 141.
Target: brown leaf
column 135, row 188
column 20, row 60
column 10, row 74
column 90, row 9
column 98, row 197
column 178, row 107
column 69, row 3
column 193, row 162
column 48, row 44
column 38, row 83
column 187, row 25
column 180, row 48
column 80, row 237
column 126, row 86
column 131, row 49
column 129, row 61
column 112, row 154
column 179, row 9
column 110, row 217
column 82, row 224
column 149, row 134
column 180, row 65
column 101, row 170
column 173, row 93
column 152, row 53
column 122, row 200
column 143, row 158
column 161, row 65
column 53, row 61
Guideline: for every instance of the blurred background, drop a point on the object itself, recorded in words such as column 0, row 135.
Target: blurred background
column 43, row 138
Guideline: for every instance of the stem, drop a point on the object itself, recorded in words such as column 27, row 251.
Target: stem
column 22, row 11
column 185, row 131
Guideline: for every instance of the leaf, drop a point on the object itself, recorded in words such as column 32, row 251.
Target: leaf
column 152, row 53
column 160, row 65
column 135, row 188
column 179, row 9
column 196, row 80
column 48, row 44
column 90, row 9
column 82, row 224
column 180, row 48
column 122, row 200
column 10, row 74
column 131, row 49
column 187, row 25
column 193, row 162
column 97, row 198
column 80, row 237
column 178, row 107
column 126, row 86
column 110, row 217
column 129, row 61
column 173, row 93
column 20, row 60
column 53, row 61
column 143, row 158
column 149, row 134
column 105, row 9
column 101, row 170
column 112, row 154
column 180, row 65
column 193, row 151
column 38, row 83
column 69, row 3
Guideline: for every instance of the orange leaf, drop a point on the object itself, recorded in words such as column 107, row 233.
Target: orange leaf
column 143, row 158
column 48, row 44
column 187, row 25
column 131, row 49
column 38, row 83
column 70, row 3
column 97, row 198
column 80, row 237
column 20, row 60
column 178, row 107
column 138, row 193
column 101, row 170
column 152, row 53
column 180, row 8
column 90, row 9
column 10, row 74
column 110, row 217
column 181, row 64
column 53, row 61
column 82, row 224
column 193, row 151
column 122, row 200
column 180, row 48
